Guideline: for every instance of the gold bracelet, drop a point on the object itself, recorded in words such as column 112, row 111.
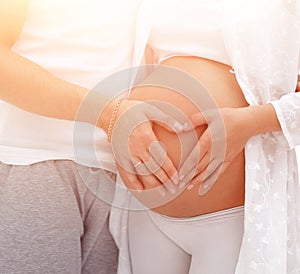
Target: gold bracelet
column 113, row 118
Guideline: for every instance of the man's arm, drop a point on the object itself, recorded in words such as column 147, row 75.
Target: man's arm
column 30, row 87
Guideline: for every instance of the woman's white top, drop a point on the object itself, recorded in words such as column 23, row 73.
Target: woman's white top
column 261, row 40
column 80, row 41
column 171, row 31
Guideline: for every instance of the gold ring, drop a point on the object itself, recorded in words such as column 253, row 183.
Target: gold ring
column 136, row 165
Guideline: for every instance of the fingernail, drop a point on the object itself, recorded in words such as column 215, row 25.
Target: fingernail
column 190, row 187
column 175, row 179
column 182, row 185
column 162, row 191
column 172, row 190
column 203, row 189
column 177, row 126
column 205, row 186
column 187, row 126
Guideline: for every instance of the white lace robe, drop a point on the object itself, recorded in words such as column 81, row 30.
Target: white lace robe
column 263, row 38
column 263, row 41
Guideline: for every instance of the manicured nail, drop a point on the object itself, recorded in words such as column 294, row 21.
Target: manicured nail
column 162, row 191
column 177, row 126
column 181, row 177
column 203, row 189
column 205, row 186
column 173, row 191
column 175, row 179
column 187, row 126
column 190, row 187
column 171, row 188
column 182, row 185
column 139, row 188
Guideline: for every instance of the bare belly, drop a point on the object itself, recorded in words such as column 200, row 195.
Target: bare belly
column 228, row 191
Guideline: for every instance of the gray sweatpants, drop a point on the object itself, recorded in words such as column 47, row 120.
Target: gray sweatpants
column 50, row 221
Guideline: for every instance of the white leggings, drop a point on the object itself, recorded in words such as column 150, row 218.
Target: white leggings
column 206, row 244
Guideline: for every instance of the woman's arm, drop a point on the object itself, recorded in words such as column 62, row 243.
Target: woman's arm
column 288, row 113
column 240, row 124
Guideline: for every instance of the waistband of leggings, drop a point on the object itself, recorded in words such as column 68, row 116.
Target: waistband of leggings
column 221, row 214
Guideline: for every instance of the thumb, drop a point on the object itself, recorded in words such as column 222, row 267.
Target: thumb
column 196, row 120
column 165, row 120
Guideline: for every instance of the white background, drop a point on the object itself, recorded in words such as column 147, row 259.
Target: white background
column 298, row 156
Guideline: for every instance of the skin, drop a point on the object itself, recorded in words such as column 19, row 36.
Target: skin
column 241, row 122
column 42, row 93
column 38, row 91
column 298, row 84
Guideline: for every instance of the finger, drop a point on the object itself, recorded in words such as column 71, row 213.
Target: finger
column 197, row 119
column 193, row 178
column 147, row 166
column 164, row 179
column 203, row 164
column 190, row 163
column 150, row 168
column 215, row 171
column 170, row 187
column 171, row 171
column 159, row 154
column 225, row 165
column 197, row 180
column 131, row 180
column 216, row 167
column 210, row 181
column 200, row 173
column 124, row 161
column 151, row 182
column 142, row 153
column 211, row 167
column 206, row 157
column 166, row 120
column 189, row 168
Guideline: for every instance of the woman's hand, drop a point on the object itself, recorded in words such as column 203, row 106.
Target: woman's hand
column 231, row 128
column 227, row 134
column 224, row 138
column 142, row 160
column 298, row 84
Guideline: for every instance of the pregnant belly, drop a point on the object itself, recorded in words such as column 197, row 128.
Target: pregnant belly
column 228, row 191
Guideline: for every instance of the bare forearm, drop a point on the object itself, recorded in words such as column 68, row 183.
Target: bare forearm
column 30, row 87
column 261, row 119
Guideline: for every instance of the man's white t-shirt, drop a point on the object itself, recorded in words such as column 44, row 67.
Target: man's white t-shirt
column 80, row 41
